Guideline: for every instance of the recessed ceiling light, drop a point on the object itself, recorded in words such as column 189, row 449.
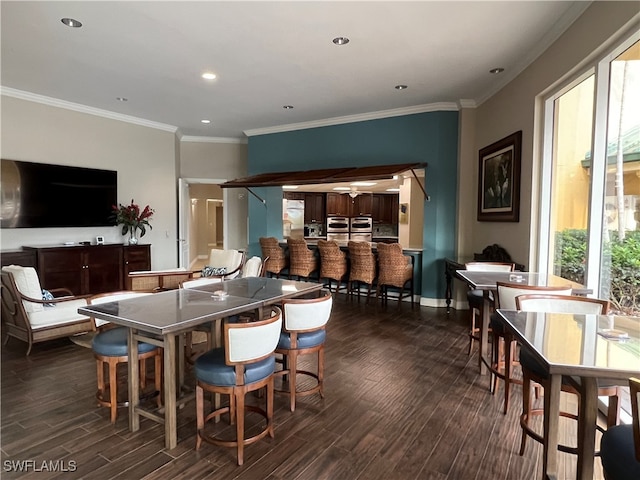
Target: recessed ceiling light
column 393, row 189
column 288, row 107
column 205, row 121
column 496, row 70
column 340, row 40
column 363, row 184
column 341, row 188
column 122, row 99
column 70, row 22
column 290, row 187
column 400, row 87
column 209, row 76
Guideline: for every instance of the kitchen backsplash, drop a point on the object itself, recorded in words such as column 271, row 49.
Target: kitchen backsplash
column 314, row 229
column 385, row 230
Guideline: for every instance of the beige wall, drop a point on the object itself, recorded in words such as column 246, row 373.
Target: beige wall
column 143, row 157
column 219, row 162
column 512, row 109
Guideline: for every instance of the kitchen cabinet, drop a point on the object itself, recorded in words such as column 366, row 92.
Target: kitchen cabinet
column 314, row 208
column 385, row 208
column 338, row 204
column 361, row 205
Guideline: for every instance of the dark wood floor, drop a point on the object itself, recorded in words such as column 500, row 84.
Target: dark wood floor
column 402, row 401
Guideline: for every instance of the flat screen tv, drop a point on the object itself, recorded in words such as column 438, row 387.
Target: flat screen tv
column 40, row 195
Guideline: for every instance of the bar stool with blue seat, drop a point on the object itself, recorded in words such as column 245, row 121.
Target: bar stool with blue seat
column 303, row 332
column 246, row 363
column 620, row 445
column 110, row 349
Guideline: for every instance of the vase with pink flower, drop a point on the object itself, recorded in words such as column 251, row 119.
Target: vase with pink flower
column 134, row 221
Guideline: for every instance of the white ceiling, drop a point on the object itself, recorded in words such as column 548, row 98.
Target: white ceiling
column 269, row 54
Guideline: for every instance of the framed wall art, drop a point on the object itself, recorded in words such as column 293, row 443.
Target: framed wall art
column 499, row 180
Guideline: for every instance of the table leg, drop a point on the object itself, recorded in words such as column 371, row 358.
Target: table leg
column 587, row 416
column 170, row 413
column 483, row 351
column 447, row 291
column 134, row 381
column 551, row 421
column 180, row 359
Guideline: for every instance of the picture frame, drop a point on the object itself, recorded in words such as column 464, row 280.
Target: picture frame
column 499, row 180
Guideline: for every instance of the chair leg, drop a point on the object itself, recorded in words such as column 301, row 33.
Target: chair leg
column 142, row 371
column 526, row 408
column 508, row 349
column 472, row 330
column 270, row 392
column 239, row 397
column 113, row 390
column 199, row 415
column 100, row 377
column 293, row 366
column 613, row 411
column 321, row 371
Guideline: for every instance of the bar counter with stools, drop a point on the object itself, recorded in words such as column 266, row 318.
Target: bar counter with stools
column 415, row 254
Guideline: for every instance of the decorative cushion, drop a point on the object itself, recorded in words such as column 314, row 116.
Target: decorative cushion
column 113, row 343
column 617, row 453
column 208, row 271
column 305, row 340
column 212, row 369
column 66, row 312
column 28, row 284
column 47, row 295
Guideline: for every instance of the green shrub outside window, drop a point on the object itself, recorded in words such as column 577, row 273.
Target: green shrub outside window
column 621, row 263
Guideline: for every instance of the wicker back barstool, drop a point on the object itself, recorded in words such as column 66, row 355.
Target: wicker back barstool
column 276, row 261
column 333, row 263
column 394, row 270
column 302, row 261
column 362, row 268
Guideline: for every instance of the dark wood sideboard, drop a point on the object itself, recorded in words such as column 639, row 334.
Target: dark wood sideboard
column 83, row 269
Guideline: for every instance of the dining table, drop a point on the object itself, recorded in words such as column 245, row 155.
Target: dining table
column 160, row 318
column 487, row 282
column 584, row 348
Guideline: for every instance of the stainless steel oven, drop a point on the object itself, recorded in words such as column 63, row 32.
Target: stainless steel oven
column 338, row 225
column 360, row 229
column 338, row 237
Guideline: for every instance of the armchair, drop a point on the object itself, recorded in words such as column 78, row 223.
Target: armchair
column 29, row 318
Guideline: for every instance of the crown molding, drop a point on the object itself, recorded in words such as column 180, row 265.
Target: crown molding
column 396, row 112
column 76, row 107
column 189, row 138
column 467, row 103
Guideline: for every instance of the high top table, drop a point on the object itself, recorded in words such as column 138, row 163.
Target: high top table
column 159, row 318
column 487, row 282
column 580, row 346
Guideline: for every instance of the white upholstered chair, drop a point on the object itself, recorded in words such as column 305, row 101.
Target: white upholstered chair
column 246, row 363
column 506, row 294
column 27, row 317
column 475, row 298
column 532, row 372
column 303, row 332
column 253, row 267
column 229, row 260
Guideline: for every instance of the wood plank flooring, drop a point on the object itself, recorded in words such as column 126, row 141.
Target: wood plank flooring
column 402, row 401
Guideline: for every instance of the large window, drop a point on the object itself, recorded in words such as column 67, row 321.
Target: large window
column 590, row 200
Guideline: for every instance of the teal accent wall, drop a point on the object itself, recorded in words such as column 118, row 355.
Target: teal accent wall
column 425, row 137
